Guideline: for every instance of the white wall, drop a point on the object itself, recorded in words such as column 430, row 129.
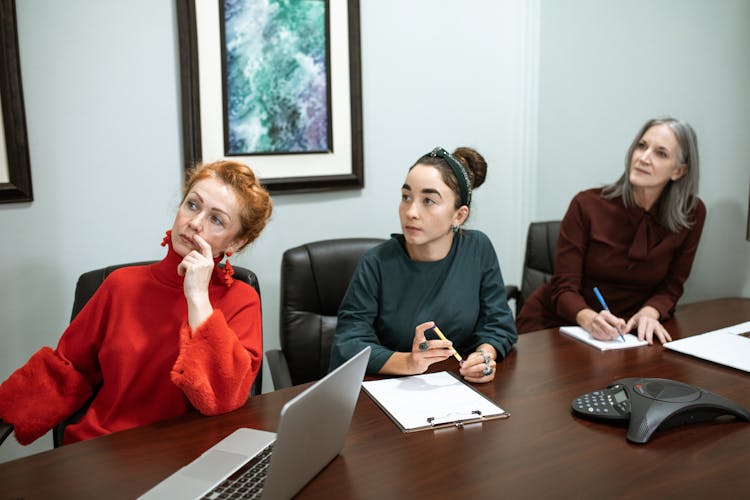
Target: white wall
column 608, row 66
column 101, row 83
column 101, row 86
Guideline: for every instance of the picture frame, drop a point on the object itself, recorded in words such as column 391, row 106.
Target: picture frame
column 15, row 167
column 202, row 106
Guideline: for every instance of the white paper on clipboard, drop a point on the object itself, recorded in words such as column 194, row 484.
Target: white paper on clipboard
column 432, row 400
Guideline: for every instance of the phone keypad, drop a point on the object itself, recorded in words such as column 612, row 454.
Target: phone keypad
column 601, row 404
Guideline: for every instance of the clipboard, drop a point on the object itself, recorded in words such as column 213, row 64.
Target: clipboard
column 431, row 401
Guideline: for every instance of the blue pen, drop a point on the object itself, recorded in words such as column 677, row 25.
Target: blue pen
column 604, row 304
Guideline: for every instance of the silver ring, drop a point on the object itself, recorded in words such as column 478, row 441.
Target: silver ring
column 488, row 370
column 423, row 346
column 487, row 359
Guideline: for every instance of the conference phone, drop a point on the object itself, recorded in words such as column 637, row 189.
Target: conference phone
column 648, row 404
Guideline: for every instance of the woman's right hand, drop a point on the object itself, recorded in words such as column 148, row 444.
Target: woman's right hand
column 602, row 325
column 426, row 352
column 423, row 353
column 197, row 267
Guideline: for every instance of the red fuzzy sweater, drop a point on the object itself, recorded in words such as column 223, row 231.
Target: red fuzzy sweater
column 133, row 340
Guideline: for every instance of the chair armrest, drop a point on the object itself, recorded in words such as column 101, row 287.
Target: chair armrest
column 5, row 431
column 279, row 369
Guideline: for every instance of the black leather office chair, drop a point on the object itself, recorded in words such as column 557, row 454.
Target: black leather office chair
column 314, row 278
column 89, row 282
column 4, row 433
column 539, row 261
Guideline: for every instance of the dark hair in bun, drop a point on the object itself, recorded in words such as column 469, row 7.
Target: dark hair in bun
column 470, row 159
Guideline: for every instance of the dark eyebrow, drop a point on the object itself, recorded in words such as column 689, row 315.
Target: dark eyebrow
column 432, row 191
column 424, row 191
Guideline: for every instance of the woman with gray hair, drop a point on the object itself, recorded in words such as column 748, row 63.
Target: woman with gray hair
column 633, row 240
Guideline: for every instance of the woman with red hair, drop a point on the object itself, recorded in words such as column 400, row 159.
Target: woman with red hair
column 158, row 340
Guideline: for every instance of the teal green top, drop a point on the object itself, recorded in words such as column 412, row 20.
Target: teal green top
column 390, row 294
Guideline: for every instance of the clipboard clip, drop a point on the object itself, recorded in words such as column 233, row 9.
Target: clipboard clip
column 455, row 418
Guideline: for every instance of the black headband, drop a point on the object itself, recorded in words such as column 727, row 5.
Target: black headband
column 464, row 182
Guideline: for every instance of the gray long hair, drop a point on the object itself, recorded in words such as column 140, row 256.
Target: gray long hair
column 680, row 196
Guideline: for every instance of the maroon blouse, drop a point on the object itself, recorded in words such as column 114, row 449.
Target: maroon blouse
column 624, row 251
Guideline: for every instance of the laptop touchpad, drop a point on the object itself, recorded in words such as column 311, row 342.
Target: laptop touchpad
column 214, row 464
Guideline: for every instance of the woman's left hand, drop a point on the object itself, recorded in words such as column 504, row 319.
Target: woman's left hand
column 197, row 267
column 647, row 322
column 479, row 366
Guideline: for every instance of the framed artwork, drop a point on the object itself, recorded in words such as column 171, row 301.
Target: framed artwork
column 275, row 84
column 15, row 168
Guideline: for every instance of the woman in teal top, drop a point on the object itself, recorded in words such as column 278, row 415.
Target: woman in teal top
column 435, row 273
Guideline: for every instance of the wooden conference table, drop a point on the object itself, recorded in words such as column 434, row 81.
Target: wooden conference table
column 541, row 451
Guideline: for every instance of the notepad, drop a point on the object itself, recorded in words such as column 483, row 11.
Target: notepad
column 728, row 346
column 579, row 333
column 431, row 401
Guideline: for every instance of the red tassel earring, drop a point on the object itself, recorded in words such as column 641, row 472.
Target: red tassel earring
column 228, row 270
column 167, row 238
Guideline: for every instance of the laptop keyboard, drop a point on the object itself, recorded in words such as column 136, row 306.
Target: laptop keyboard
column 247, row 482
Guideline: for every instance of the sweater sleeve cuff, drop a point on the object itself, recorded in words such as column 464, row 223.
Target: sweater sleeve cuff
column 663, row 306
column 40, row 394
column 568, row 306
column 379, row 356
column 502, row 348
column 213, row 368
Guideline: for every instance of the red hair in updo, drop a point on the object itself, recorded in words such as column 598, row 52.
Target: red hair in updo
column 255, row 202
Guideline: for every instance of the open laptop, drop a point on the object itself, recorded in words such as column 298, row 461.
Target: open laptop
column 311, row 433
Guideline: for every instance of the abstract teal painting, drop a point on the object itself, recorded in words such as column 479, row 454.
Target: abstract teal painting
column 276, row 78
